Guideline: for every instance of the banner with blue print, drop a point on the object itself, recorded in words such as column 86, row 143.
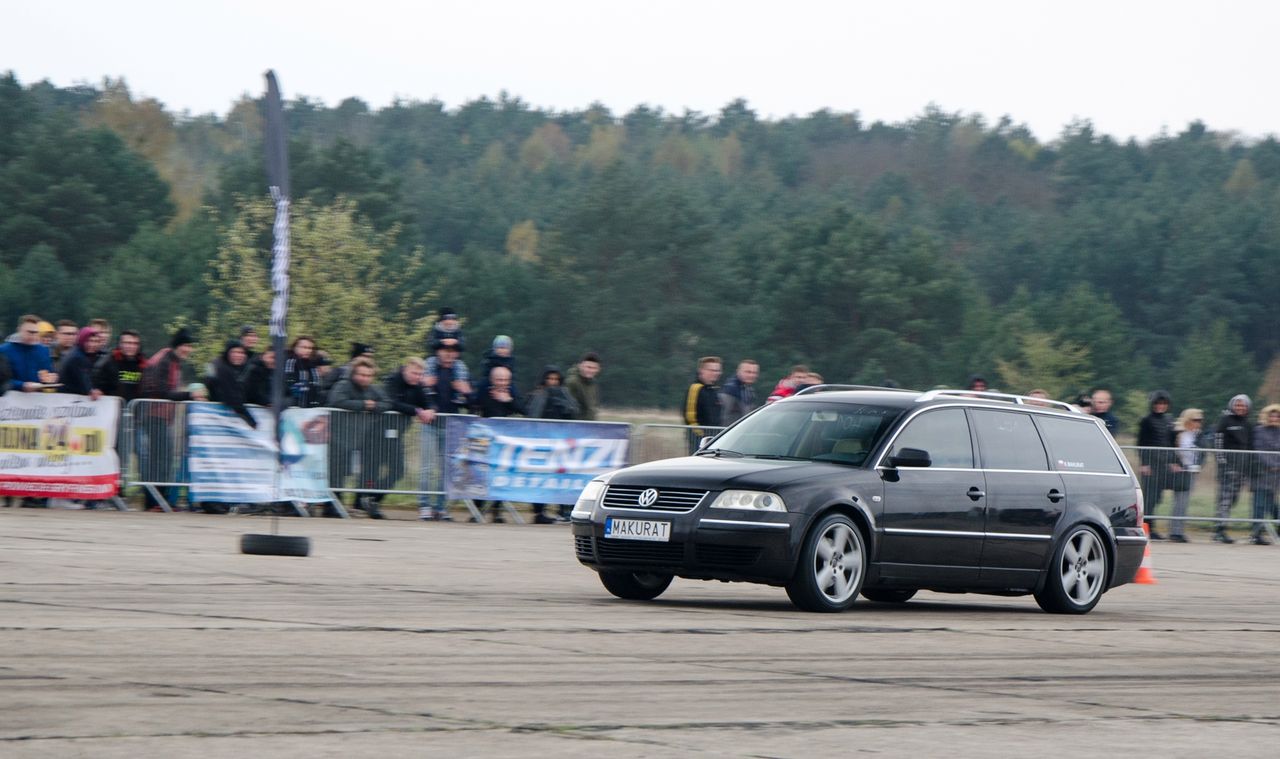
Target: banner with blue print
column 529, row 460
column 230, row 462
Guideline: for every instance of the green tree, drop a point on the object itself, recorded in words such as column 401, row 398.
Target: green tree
column 340, row 291
column 1212, row 367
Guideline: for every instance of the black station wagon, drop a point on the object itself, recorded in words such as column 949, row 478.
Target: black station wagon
column 834, row 493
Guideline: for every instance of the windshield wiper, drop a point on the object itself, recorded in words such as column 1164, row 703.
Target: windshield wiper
column 717, row 452
column 777, row 457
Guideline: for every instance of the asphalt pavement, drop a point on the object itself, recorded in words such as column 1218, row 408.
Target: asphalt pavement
column 150, row 635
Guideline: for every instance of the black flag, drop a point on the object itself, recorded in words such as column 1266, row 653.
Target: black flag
column 277, row 154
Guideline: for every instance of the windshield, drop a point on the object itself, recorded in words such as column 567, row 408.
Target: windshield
column 843, row 433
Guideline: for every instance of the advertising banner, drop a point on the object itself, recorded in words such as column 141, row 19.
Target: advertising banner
column 230, row 462
column 529, row 460
column 54, row 445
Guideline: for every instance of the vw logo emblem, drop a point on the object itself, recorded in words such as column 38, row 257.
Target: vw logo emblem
column 648, row 498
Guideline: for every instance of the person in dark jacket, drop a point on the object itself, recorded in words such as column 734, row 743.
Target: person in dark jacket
column 6, row 374
column 1266, row 471
column 76, row 369
column 495, row 398
column 583, row 385
column 1101, row 401
column 257, row 381
column 302, row 380
column 500, row 353
column 119, row 373
column 224, row 384
column 702, row 401
column 550, row 400
column 30, row 364
column 738, row 396
column 1231, row 437
column 359, row 431
column 451, row 394
column 1156, row 455
column 408, row 397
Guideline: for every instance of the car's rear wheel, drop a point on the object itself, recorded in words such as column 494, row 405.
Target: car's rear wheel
column 634, row 586
column 833, row 562
column 1077, row 574
column 888, row 595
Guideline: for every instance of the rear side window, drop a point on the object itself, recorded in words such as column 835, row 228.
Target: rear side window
column 1009, row 440
column 944, row 434
column 1079, row 446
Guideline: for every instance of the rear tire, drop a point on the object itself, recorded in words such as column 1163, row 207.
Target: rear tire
column 275, row 545
column 833, row 562
column 635, row 586
column 888, row 595
column 1077, row 574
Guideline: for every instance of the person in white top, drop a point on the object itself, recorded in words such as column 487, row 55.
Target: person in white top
column 1185, row 469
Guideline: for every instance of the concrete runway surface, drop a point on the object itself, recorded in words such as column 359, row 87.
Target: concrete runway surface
column 149, row 635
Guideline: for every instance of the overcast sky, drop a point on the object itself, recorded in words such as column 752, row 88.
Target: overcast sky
column 1133, row 68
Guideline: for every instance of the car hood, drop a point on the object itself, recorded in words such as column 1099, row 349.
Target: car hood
column 712, row 473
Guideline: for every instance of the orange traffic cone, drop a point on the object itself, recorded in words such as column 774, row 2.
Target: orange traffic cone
column 1146, row 575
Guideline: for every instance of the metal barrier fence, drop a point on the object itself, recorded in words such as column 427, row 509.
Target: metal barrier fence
column 1208, row 485
column 376, row 455
column 665, row 441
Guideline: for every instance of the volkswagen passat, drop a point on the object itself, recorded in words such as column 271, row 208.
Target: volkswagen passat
column 837, row 493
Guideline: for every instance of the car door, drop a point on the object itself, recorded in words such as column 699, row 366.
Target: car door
column 932, row 516
column 1025, row 499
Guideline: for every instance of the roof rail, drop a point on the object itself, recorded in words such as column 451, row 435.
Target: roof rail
column 1021, row 400
column 828, row 388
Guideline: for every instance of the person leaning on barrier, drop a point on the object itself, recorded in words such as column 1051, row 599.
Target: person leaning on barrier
column 163, row 380
column 76, row 369
column 1266, row 472
column 550, row 400
column 409, row 399
column 362, row 433
column 224, row 383
column 1188, row 427
column 30, row 365
column 1232, row 437
column 119, row 372
column 1155, row 436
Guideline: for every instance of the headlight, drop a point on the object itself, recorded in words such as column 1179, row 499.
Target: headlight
column 587, row 500
column 749, row 500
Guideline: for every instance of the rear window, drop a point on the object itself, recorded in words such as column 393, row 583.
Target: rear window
column 1079, row 446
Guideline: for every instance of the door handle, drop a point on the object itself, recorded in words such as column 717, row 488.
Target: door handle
column 1056, row 495
column 974, row 493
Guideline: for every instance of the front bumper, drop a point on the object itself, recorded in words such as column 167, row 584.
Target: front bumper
column 724, row 544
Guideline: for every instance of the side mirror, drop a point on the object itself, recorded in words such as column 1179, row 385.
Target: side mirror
column 704, row 442
column 912, row 457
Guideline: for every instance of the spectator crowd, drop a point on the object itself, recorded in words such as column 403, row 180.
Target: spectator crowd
column 64, row 357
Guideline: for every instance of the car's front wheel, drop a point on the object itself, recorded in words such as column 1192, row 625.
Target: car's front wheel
column 833, row 561
column 1077, row 574
column 634, row 586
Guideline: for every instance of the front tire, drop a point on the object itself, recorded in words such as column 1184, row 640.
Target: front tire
column 833, row 562
column 635, row 586
column 1077, row 574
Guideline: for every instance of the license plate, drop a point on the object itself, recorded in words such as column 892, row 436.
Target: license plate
column 637, row 529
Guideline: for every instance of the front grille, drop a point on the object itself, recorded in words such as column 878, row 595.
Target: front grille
column 582, row 544
column 633, row 551
column 669, row 499
column 727, row 556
